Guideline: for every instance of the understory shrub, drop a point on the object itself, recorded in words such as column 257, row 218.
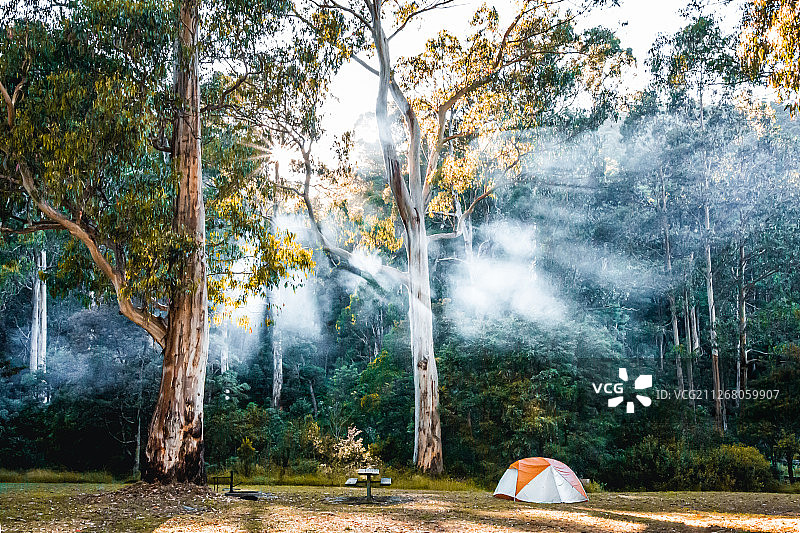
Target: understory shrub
column 652, row 465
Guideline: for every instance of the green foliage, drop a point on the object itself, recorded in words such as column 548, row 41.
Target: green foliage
column 770, row 37
column 87, row 132
column 246, row 455
column 655, row 465
column 696, row 58
column 735, row 467
column 594, row 487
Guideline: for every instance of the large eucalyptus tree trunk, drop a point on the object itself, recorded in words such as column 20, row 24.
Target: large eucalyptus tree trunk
column 38, row 339
column 427, row 434
column 277, row 338
column 410, row 199
column 175, row 443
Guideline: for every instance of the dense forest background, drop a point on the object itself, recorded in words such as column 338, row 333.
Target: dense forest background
column 593, row 255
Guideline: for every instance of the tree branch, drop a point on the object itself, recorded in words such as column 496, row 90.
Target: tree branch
column 364, row 64
column 411, row 16
column 460, row 224
column 154, row 325
column 332, row 4
column 9, row 105
column 340, row 257
column 221, row 102
column 38, row 226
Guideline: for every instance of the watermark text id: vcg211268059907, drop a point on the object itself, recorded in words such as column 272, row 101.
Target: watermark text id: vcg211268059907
column 711, row 394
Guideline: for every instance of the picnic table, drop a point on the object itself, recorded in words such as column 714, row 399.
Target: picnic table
column 369, row 473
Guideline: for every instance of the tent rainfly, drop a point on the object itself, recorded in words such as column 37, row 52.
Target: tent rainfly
column 540, row 480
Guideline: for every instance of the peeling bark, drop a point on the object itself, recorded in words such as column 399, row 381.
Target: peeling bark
column 175, row 444
column 410, row 199
column 428, row 449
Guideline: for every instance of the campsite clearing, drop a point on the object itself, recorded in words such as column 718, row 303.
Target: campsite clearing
column 140, row 508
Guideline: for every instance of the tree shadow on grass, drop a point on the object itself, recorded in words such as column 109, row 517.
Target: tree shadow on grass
column 307, row 510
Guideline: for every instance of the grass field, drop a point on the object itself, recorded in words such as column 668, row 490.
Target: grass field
column 183, row 509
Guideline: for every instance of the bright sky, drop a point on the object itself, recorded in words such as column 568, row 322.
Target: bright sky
column 636, row 22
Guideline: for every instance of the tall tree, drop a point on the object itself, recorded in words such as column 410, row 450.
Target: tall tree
column 689, row 64
column 96, row 92
column 489, row 63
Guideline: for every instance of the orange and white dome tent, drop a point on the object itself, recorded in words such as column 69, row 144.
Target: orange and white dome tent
column 540, row 480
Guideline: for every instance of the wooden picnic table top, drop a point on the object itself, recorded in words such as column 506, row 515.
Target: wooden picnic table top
column 368, row 471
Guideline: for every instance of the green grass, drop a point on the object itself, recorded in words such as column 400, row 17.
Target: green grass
column 794, row 488
column 311, row 480
column 40, row 475
column 420, row 482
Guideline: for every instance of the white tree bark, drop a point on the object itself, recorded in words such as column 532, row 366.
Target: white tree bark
column 38, row 339
column 225, row 348
column 410, row 199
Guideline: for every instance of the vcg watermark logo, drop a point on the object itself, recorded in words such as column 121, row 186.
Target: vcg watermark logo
column 645, row 381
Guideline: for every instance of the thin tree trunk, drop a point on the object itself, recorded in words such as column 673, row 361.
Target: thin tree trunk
column 225, row 348
column 376, row 338
column 689, row 346
column 741, row 360
column 719, row 423
column 137, row 456
column 676, row 343
column 313, row 397
column 459, row 211
column 138, row 453
column 38, row 341
column 694, row 343
column 277, row 369
column 695, row 322
column 676, row 340
column 175, row 443
column 690, row 375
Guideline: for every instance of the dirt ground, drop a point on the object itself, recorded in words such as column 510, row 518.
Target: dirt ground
column 140, row 508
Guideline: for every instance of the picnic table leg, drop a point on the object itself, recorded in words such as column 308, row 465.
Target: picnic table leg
column 369, row 487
